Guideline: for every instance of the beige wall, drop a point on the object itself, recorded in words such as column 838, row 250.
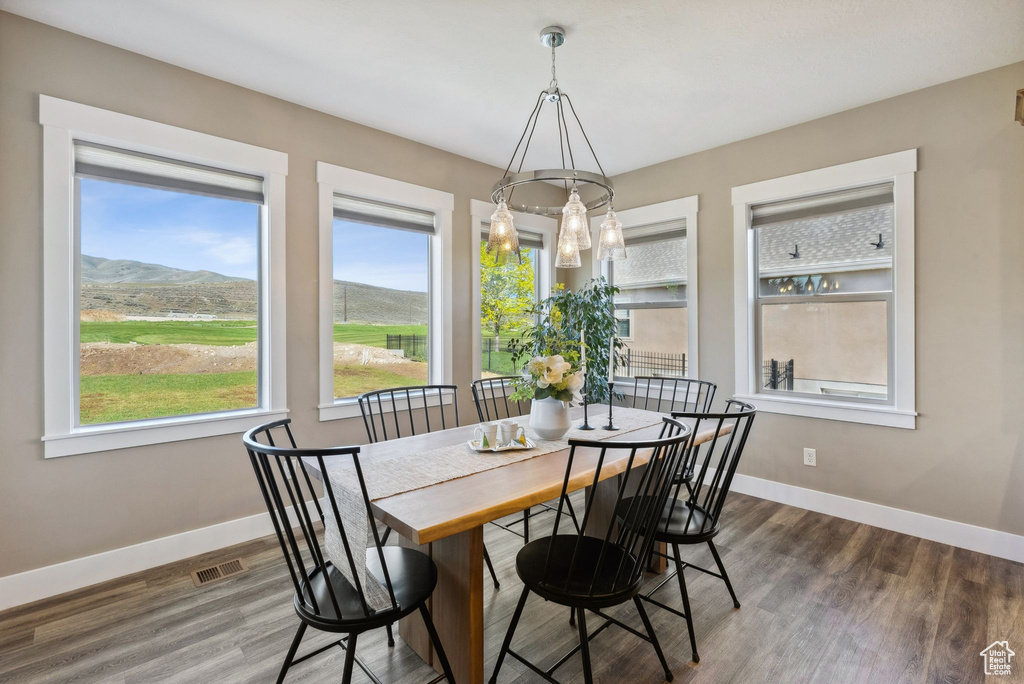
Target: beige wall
column 843, row 341
column 658, row 330
column 965, row 460
column 59, row 509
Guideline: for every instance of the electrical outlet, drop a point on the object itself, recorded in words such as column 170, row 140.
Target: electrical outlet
column 810, row 457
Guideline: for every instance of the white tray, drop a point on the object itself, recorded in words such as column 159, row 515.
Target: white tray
column 474, row 444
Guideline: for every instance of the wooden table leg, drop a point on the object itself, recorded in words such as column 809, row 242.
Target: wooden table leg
column 457, row 606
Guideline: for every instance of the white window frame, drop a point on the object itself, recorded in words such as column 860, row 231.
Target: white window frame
column 64, row 122
column 333, row 179
column 898, row 168
column 671, row 210
column 480, row 216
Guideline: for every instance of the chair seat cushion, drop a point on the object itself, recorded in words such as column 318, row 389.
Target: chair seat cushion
column 582, row 581
column 413, row 578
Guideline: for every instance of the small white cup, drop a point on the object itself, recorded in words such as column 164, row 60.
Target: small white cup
column 509, row 431
column 488, row 432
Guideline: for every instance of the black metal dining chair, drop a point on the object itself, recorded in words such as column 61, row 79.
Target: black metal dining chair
column 603, row 565
column 694, row 516
column 676, row 394
column 493, row 400
column 324, row 598
column 406, row 411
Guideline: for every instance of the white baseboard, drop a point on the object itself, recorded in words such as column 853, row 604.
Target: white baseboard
column 32, row 585
column 971, row 537
column 52, row 580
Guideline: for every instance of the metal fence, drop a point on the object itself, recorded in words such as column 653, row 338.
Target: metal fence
column 414, row 346
column 778, row 375
column 636, row 362
column 496, row 356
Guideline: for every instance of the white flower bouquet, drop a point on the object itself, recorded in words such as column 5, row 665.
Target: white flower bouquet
column 556, row 376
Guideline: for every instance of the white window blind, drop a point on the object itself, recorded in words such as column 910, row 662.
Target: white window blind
column 820, row 205
column 655, row 232
column 375, row 213
column 93, row 160
column 531, row 240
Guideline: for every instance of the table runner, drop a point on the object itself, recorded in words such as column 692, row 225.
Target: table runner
column 402, row 473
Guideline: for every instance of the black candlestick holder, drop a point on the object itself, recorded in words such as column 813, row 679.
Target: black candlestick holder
column 611, row 400
column 586, row 398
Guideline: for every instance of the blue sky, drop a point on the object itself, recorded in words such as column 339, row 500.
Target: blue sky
column 174, row 229
column 195, row 233
column 380, row 256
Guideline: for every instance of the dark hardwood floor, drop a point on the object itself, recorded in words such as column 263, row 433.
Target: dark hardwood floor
column 824, row 600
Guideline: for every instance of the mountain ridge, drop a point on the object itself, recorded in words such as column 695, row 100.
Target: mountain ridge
column 136, row 288
column 102, row 270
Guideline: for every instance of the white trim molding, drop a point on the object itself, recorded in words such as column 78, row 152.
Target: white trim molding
column 333, row 179
column 51, row 580
column 65, row 122
column 682, row 208
column 962, row 535
column 898, row 168
column 480, row 214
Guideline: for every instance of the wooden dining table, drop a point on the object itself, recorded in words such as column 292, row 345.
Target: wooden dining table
column 446, row 520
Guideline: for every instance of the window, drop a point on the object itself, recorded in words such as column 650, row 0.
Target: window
column 622, row 324
column 504, row 293
column 656, row 305
column 164, row 330
column 385, row 319
column 826, row 307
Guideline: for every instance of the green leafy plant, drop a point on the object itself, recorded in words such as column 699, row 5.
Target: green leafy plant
column 561, row 318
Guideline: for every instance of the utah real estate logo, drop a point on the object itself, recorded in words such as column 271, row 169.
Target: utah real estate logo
column 997, row 658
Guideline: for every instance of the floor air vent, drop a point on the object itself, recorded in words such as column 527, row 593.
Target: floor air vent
column 217, row 573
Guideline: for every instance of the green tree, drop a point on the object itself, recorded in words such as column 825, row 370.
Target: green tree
column 506, row 291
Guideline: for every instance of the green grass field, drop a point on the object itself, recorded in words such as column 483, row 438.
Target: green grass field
column 218, row 333
column 115, row 398
column 223, row 333
column 373, row 335
column 351, row 381
column 123, row 397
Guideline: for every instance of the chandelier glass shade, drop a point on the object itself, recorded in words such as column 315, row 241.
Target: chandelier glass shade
column 611, row 246
column 568, row 251
column 502, row 238
column 574, row 220
column 574, row 232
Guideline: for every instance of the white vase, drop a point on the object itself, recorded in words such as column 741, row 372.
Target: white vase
column 549, row 418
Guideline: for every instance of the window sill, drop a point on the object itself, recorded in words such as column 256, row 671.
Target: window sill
column 349, row 407
column 849, row 412
column 86, row 440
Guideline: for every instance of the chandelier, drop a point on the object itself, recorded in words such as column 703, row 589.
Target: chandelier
column 574, row 230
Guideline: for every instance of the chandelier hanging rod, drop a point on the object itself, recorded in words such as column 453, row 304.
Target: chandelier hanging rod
column 504, row 189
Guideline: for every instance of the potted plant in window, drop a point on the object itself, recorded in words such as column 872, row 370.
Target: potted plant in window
column 553, row 374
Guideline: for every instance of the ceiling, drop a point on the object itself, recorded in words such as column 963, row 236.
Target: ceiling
column 650, row 80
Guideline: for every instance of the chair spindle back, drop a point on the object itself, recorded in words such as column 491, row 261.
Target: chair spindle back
column 406, row 411
column 682, row 394
column 713, row 472
column 277, row 471
column 492, row 399
column 641, row 496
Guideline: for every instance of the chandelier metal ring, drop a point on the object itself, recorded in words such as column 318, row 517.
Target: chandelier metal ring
column 573, row 176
